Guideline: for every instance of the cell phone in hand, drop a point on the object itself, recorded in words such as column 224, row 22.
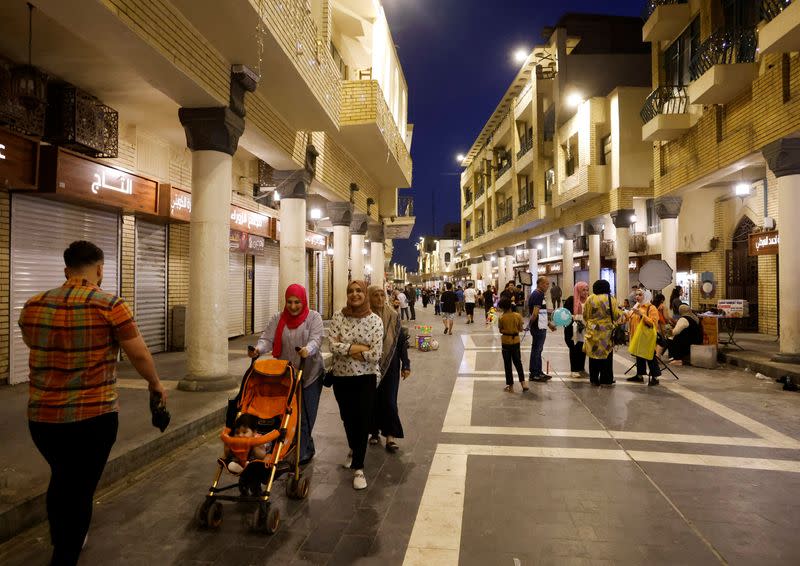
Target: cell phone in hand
column 158, row 409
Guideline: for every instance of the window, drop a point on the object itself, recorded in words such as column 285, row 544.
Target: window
column 653, row 221
column 339, row 62
column 678, row 55
column 605, row 150
column 447, row 257
column 549, row 181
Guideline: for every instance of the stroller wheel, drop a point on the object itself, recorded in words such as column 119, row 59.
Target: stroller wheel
column 266, row 519
column 273, row 520
column 297, row 489
column 201, row 514
column 214, row 515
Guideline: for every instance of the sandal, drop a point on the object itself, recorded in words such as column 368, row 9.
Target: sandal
column 509, row 388
column 374, row 439
column 525, row 386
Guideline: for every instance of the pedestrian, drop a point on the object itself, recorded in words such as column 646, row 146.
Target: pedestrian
column 538, row 326
column 645, row 313
column 437, row 305
column 519, row 299
column 74, row 333
column 470, row 296
column 675, row 301
column 459, row 300
column 574, row 332
column 411, row 295
column 296, row 334
column 509, row 293
column 555, row 295
column 600, row 313
column 488, row 301
column 402, row 299
column 425, row 298
column 510, row 324
column 687, row 332
column 448, row 306
column 356, row 339
column 394, row 363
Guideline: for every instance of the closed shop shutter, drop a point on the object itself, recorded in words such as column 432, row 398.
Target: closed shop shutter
column 266, row 295
column 40, row 232
column 236, row 283
column 151, row 284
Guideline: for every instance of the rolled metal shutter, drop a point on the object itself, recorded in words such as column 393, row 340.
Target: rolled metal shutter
column 151, row 284
column 40, row 232
column 266, row 295
column 236, row 283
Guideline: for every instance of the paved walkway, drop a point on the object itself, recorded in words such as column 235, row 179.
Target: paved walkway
column 700, row 471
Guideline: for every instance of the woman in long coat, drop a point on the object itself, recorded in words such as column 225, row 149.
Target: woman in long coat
column 599, row 314
column 573, row 333
column 394, row 361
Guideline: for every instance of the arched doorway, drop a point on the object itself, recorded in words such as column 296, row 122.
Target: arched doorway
column 742, row 272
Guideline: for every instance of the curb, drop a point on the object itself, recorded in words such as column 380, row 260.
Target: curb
column 766, row 368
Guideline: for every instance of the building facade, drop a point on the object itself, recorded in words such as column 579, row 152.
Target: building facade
column 270, row 149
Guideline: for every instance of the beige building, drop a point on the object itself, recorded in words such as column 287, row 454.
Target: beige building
column 723, row 119
column 266, row 143
column 560, row 161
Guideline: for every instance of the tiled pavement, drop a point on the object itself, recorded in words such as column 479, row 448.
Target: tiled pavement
column 702, row 471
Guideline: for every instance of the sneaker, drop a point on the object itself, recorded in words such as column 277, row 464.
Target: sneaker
column 359, row 480
column 542, row 377
column 235, row 468
column 636, row 379
column 611, row 384
column 349, row 460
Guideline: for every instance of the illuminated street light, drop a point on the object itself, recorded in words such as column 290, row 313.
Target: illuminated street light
column 742, row 189
column 316, row 214
column 633, row 219
column 574, row 100
column 460, row 157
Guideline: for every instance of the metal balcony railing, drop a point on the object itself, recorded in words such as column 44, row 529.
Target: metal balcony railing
column 771, row 8
column 405, row 206
column 467, row 238
column 480, row 232
column 523, row 208
column 503, row 168
column 527, row 144
column 725, row 47
column 665, row 100
column 503, row 220
column 479, row 192
column 651, row 6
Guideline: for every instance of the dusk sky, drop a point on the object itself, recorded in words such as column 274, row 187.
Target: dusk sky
column 456, row 55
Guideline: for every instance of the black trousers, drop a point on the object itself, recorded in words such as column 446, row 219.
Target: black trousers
column 385, row 416
column 411, row 301
column 511, row 354
column 577, row 357
column 602, row 371
column 355, row 396
column 77, row 452
column 642, row 366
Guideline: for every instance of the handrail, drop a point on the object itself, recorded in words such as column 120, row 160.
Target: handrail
column 503, row 220
column 405, row 206
column 479, row 192
column 504, row 168
column 526, row 147
column 523, row 208
column 670, row 99
column 771, row 8
column 725, row 47
column 651, row 6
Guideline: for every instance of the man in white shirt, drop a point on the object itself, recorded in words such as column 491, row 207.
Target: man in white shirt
column 469, row 302
column 404, row 314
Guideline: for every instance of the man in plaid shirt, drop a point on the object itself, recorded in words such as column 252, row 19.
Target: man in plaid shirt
column 74, row 333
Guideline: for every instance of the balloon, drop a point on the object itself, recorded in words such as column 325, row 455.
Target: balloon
column 562, row 317
column 434, row 344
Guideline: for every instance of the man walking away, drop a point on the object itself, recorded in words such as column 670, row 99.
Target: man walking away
column 448, row 306
column 538, row 326
column 459, row 300
column 555, row 295
column 74, row 333
column 470, row 296
column 401, row 296
column 411, row 295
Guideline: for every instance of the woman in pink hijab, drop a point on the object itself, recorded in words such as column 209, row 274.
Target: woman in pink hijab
column 573, row 334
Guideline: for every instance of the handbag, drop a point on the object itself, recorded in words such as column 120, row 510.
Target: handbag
column 619, row 337
column 327, row 378
column 643, row 343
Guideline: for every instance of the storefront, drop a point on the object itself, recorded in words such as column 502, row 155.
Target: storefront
column 150, row 290
column 77, row 199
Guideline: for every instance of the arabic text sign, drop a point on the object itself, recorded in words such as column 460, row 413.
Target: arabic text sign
column 764, row 243
column 249, row 221
column 18, row 161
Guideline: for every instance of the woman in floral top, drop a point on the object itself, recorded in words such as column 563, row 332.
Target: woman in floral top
column 356, row 337
column 599, row 313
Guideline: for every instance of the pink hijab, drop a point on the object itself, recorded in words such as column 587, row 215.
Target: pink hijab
column 577, row 307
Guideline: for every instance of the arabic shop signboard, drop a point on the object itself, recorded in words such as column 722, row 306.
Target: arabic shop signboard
column 180, row 204
column 242, row 220
column 763, row 243
column 245, row 243
column 80, row 179
column 316, row 241
column 19, row 161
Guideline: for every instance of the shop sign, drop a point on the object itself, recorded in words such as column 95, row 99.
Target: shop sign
column 19, row 161
column 180, row 208
column 633, row 264
column 255, row 244
column 249, row 221
column 541, row 269
column 237, row 241
column 316, row 241
column 180, row 204
column 554, row 267
column 764, row 243
column 78, row 178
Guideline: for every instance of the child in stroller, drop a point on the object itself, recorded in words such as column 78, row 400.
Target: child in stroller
column 246, row 426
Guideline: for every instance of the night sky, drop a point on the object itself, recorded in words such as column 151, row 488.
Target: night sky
column 456, row 56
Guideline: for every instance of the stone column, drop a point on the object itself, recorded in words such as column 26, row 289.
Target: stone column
column 376, row 256
column 622, row 222
column 487, row 270
column 358, row 230
column 341, row 216
column 533, row 258
column 212, row 134
column 293, row 239
column 474, row 264
column 593, row 229
column 668, row 209
column 569, row 234
column 501, row 268
column 511, row 259
column 783, row 158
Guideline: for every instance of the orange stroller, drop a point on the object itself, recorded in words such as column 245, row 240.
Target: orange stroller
column 271, row 391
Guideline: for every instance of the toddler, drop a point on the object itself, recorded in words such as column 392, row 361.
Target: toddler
column 246, row 425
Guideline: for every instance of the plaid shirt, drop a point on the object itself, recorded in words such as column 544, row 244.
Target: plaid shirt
column 73, row 333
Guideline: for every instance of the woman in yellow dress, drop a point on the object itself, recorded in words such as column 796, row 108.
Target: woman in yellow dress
column 599, row 314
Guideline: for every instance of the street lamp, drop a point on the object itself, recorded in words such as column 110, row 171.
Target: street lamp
column 742, row 190
column 520, row 55
column 574, row 99
column 460, row 157
column 316, row 214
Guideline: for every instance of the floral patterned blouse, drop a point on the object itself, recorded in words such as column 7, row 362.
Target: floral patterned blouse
column 599, row 321
column 345, row 331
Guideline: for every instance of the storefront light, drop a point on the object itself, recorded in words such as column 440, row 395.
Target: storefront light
column 329, row 251
column 316, row 214
column 742, row 189
column 561, row 240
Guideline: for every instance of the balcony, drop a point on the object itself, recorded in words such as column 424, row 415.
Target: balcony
column 399, row 227
column 479, row 191
column 664, row 20
column 368, row 130
column 781, row 32
column 480, row 232
column 526, row 147
column 665, row 114
column 467, row 238
column 587, row 182
column 503, row 176
column 523, row 208
column 723, row 67
column 503, row 220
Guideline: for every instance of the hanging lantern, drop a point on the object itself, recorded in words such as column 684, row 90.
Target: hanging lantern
column 29, row 84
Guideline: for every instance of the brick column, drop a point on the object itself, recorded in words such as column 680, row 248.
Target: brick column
column 622, row 222
column 783, row 158
column 212, row 134
column 668, row 209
